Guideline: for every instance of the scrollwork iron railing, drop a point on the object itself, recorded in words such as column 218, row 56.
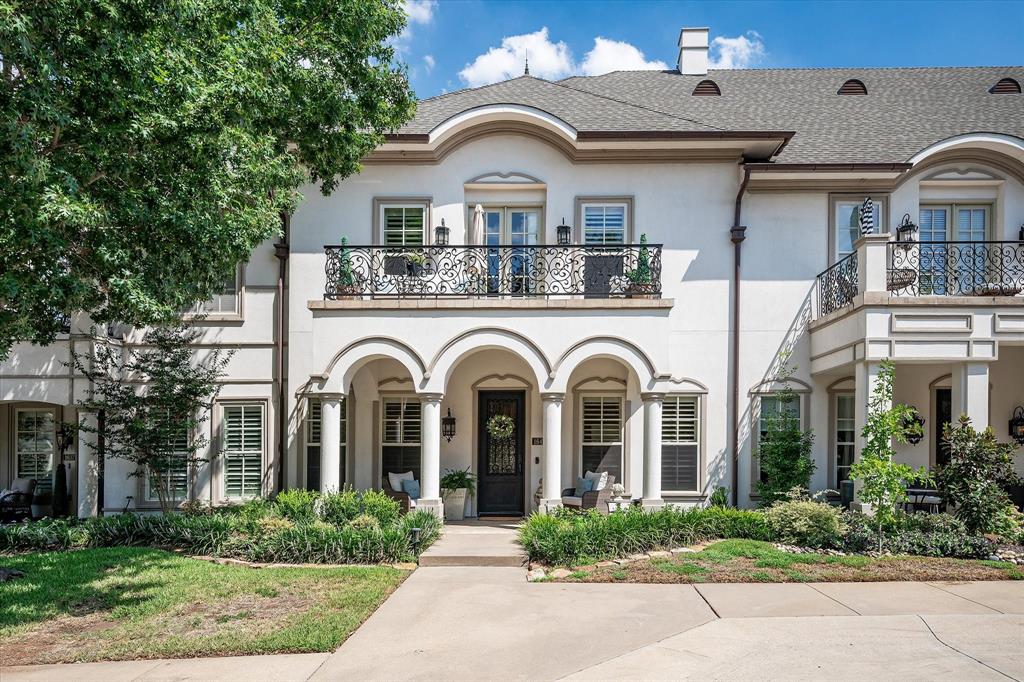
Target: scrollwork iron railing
column 955, row 268
column 627, row 270
column 837, row 285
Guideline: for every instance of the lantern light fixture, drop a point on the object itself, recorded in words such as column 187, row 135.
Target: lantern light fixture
column 441, row 234
column 1017, row 425
column 564, row 234
column 906, row 229
column 448, row 426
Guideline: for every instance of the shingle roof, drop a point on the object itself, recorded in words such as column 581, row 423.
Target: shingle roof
column 904, row 111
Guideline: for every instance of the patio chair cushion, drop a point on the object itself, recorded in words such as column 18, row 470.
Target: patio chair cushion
column 23, row 485
column 572, row 501
column 600, row 480
column 583, row 485
column 412, row 487
column 396, row 480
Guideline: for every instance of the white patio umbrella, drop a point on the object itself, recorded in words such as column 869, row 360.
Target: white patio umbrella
column 476, row 233
column 867, row 217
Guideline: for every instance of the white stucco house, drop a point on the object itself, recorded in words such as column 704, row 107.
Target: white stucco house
column 621, row 264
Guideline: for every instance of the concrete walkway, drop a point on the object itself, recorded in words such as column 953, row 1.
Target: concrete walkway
column 457, row 622
column 476, row 543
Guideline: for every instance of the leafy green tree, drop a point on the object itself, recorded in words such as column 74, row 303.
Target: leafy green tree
column 883, row 480
column 154, row 396
column 974, row 482
column 147, row 146
column 784, row 451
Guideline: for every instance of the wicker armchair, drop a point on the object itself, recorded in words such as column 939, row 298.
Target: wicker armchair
column 399, row 496
column 592, row 499
column 16, row 503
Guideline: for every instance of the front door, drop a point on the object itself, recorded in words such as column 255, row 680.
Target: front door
column 500, row 462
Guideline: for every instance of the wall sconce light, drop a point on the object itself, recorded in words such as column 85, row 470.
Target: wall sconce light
column 1017, row 425
column 906, row 229
column 448, row 426
column 914, row 425
column 441, row 234
column 65, row 437
column 564, row 234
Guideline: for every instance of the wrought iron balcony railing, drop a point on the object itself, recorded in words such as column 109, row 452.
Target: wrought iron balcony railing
column 627, row 270
column 837, row 285
column 955, row 268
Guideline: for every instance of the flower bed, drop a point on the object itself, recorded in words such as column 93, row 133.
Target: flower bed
column 298, row 527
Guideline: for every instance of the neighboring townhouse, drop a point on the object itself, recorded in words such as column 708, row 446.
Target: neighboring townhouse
column 622, row 265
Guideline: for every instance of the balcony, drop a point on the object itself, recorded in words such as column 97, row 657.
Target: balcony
column 505, row 271
column 947, row 270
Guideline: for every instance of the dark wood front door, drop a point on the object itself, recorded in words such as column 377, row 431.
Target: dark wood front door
column 500, row 462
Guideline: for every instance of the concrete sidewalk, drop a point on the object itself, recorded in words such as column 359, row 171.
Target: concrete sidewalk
column 489, row 623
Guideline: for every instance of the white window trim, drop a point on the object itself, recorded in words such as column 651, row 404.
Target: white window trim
column 53, row 453
column 222, row 440
column 833, row 474
column 699, row 442
column 851, row 198
column 953, row 206
column 629, row 236
column 381, row 203
column 621, row 397
column 196, row 313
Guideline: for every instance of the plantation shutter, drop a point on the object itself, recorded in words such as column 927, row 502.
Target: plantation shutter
column 403, row 225
column 34, row 445
column 680, row 443
column 243, row 450
column 313, row 443
column 601, row 435
column 400, row 447
column 177, row 473
column 604, row 224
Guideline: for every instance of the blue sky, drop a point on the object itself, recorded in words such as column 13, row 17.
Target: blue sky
column 451, row 44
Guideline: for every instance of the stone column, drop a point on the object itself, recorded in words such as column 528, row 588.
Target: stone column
column 430, row 469
column 88, row 470
column 551, row 492
column 970, row 393
column 652, row 450
column 330, row 443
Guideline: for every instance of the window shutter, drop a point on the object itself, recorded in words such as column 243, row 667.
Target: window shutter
column 604, row 224
column 400, row 451
column 243, row 456
column 403, row 225
column 680, row 444
column 601, row 435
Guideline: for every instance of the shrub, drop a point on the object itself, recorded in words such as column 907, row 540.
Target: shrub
column 1009, row 525
column 251, row 510
column 297, row 505
column 784, row 452
column 806, row 523
column 365, row 522
column 936, row 535
column 379, row 505
column 975, row 478
column 340, row 508
column 272, row 524
column 720, row 497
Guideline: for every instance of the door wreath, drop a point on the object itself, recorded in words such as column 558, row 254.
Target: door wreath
column 500, row 426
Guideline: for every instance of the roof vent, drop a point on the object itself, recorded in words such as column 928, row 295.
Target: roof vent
column 1005, row 86
column 707, row 88
column 853, row 87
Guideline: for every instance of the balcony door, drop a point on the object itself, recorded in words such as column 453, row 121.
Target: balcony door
column 511, row 265
column 951, row 269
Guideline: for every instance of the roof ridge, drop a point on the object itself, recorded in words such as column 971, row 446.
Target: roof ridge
column 481, row 87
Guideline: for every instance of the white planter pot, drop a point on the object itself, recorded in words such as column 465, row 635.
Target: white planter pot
column 455, row 505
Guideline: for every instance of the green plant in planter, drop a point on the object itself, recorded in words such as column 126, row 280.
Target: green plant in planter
column 641, row 276
column 456, row 479
column 346, row 276
column 416, row 258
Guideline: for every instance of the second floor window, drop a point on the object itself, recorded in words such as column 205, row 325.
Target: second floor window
column 847, row 224
column 225, row 302
column 604, row 224
column 403, row 225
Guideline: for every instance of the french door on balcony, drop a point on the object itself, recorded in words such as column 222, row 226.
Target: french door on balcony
column 958, row 268
column 506, row 228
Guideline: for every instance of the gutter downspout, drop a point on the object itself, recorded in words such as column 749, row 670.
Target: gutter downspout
column 281, row 249
column 737, row 233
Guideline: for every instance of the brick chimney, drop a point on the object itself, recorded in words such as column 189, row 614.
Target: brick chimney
column 693, row 51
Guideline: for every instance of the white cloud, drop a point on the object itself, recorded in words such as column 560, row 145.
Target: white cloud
column 736, row 53
column 551, row 60
column 547, row 60
column 613, row 55
column 420, row 11
column 428, row 60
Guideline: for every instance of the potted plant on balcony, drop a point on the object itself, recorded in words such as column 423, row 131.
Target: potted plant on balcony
column 456, row 486
column 348, row 281
column 414, row 263
column 640, row 279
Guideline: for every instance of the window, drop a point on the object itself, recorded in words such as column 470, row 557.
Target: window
column 400, row 436
column 313, row 421
column 34, row 446
column 177, row 474
column 943, row 271
column 402, row 225
column 601, row 435
column 845, row 436
column 243, row 450
column 224, row 303
column 846, row 217
column 772, row 407
column 680, row 443
column 604, row 224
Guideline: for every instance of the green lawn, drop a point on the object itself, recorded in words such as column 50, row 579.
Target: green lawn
column 752, row 561
column 130, row 602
